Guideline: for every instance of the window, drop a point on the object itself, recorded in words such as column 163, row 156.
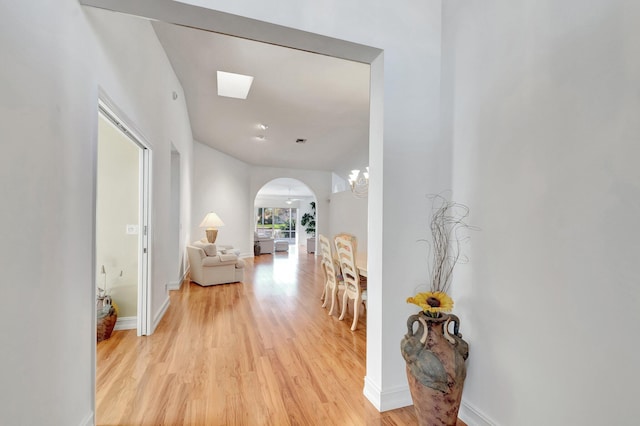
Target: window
column 277, row 222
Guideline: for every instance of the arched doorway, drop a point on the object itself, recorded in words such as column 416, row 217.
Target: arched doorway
column 279, row 208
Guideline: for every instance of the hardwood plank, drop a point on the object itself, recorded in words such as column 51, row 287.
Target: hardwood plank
column 261, row 352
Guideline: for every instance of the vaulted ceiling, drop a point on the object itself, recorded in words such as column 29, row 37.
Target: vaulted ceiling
column 299, row 95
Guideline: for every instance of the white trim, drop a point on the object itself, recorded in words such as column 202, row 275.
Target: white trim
column 158, row 317
column 176, row 285
column 396, row 397
column 126, row 323
column 246, row 255
column 113, row 112
column 185, row 275
column 108, row 109
column 472, row 416
column 400, row 396
column 144, row 238
column 88, row 420
column 372, row 393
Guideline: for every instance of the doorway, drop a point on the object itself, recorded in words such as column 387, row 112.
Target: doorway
column 279, row 208
column 121, row 234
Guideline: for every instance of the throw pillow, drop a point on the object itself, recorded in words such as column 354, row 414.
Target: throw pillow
column 209, row 249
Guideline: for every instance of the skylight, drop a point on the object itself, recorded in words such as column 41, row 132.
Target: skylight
column 233, row 85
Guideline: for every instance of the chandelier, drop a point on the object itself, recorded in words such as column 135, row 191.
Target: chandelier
column 359, row 182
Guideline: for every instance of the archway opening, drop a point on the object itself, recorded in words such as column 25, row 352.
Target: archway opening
column 280, row 209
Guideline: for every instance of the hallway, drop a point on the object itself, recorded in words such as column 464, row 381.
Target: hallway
column 262, row 352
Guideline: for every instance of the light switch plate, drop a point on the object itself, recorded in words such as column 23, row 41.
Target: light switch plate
column 132, row 229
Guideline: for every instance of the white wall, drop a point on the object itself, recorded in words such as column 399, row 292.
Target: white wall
column 178, row 271
column 141, row 87
column 338, row 183
column 221, row 185
column 56, row 55
column 406, row 157
column 186, row 195
column 228, row 186
column 541, row 104
column 117, row 205
column 348, row 213
column 276, row 201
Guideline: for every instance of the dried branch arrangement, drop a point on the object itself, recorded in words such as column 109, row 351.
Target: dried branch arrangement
column 447, row 224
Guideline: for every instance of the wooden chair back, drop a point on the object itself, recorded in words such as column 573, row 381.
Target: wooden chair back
column 333, row 280
column 346, row 251
column 327, row 260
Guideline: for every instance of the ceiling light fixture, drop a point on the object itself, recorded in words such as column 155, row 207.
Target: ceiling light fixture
column 290, row 200
column 232, row 85
column 359, row 183
column 261, row 137
column 263, row 126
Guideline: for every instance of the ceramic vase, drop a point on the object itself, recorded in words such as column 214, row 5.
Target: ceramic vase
column 436, row 368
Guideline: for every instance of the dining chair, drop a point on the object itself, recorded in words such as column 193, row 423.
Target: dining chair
column 333, row 281
column 354, row 245
column 350, row 237
column 353, row 289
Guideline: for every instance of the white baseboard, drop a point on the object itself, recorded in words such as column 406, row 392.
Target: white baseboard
column 400, row 396
column 372, row 393
column 246, row 255
column 88, row 420
column 158, row 316
column 472, row 416
column 390, row 399
column 126, row 323
column 175, row 285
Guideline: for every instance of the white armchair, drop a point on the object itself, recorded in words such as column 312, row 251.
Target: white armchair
column 267, row 244
column 210, row 267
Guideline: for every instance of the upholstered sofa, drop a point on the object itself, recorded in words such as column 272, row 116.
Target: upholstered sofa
column 266, row 243
column 210, row 265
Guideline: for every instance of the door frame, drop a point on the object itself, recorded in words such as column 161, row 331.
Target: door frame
column 108, row 111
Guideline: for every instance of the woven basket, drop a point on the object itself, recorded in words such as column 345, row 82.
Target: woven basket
column 107, row 316
column 105, row 326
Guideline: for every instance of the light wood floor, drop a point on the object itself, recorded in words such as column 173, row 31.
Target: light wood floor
column 263, row 352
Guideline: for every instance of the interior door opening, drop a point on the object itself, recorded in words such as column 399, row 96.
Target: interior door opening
column 122, row 220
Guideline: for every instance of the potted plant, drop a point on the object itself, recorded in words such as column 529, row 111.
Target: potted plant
column 435, row 355
column 308, row 220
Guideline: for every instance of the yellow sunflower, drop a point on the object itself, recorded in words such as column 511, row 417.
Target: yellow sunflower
column 432, row 301
column 115, row 307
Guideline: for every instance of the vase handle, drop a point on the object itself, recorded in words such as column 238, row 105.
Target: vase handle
column 456, row 324
column 412, row 320
column 456, row 328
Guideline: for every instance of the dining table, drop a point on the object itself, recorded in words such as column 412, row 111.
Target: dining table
column 361, row 262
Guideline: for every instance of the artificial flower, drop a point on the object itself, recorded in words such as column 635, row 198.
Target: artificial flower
column 432, row 301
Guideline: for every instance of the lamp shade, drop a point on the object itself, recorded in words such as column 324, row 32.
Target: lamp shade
column 211, row 220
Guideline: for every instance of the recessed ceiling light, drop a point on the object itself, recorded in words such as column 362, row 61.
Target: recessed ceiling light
column 261, row 137
column 263, row 126
column 233, row 85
